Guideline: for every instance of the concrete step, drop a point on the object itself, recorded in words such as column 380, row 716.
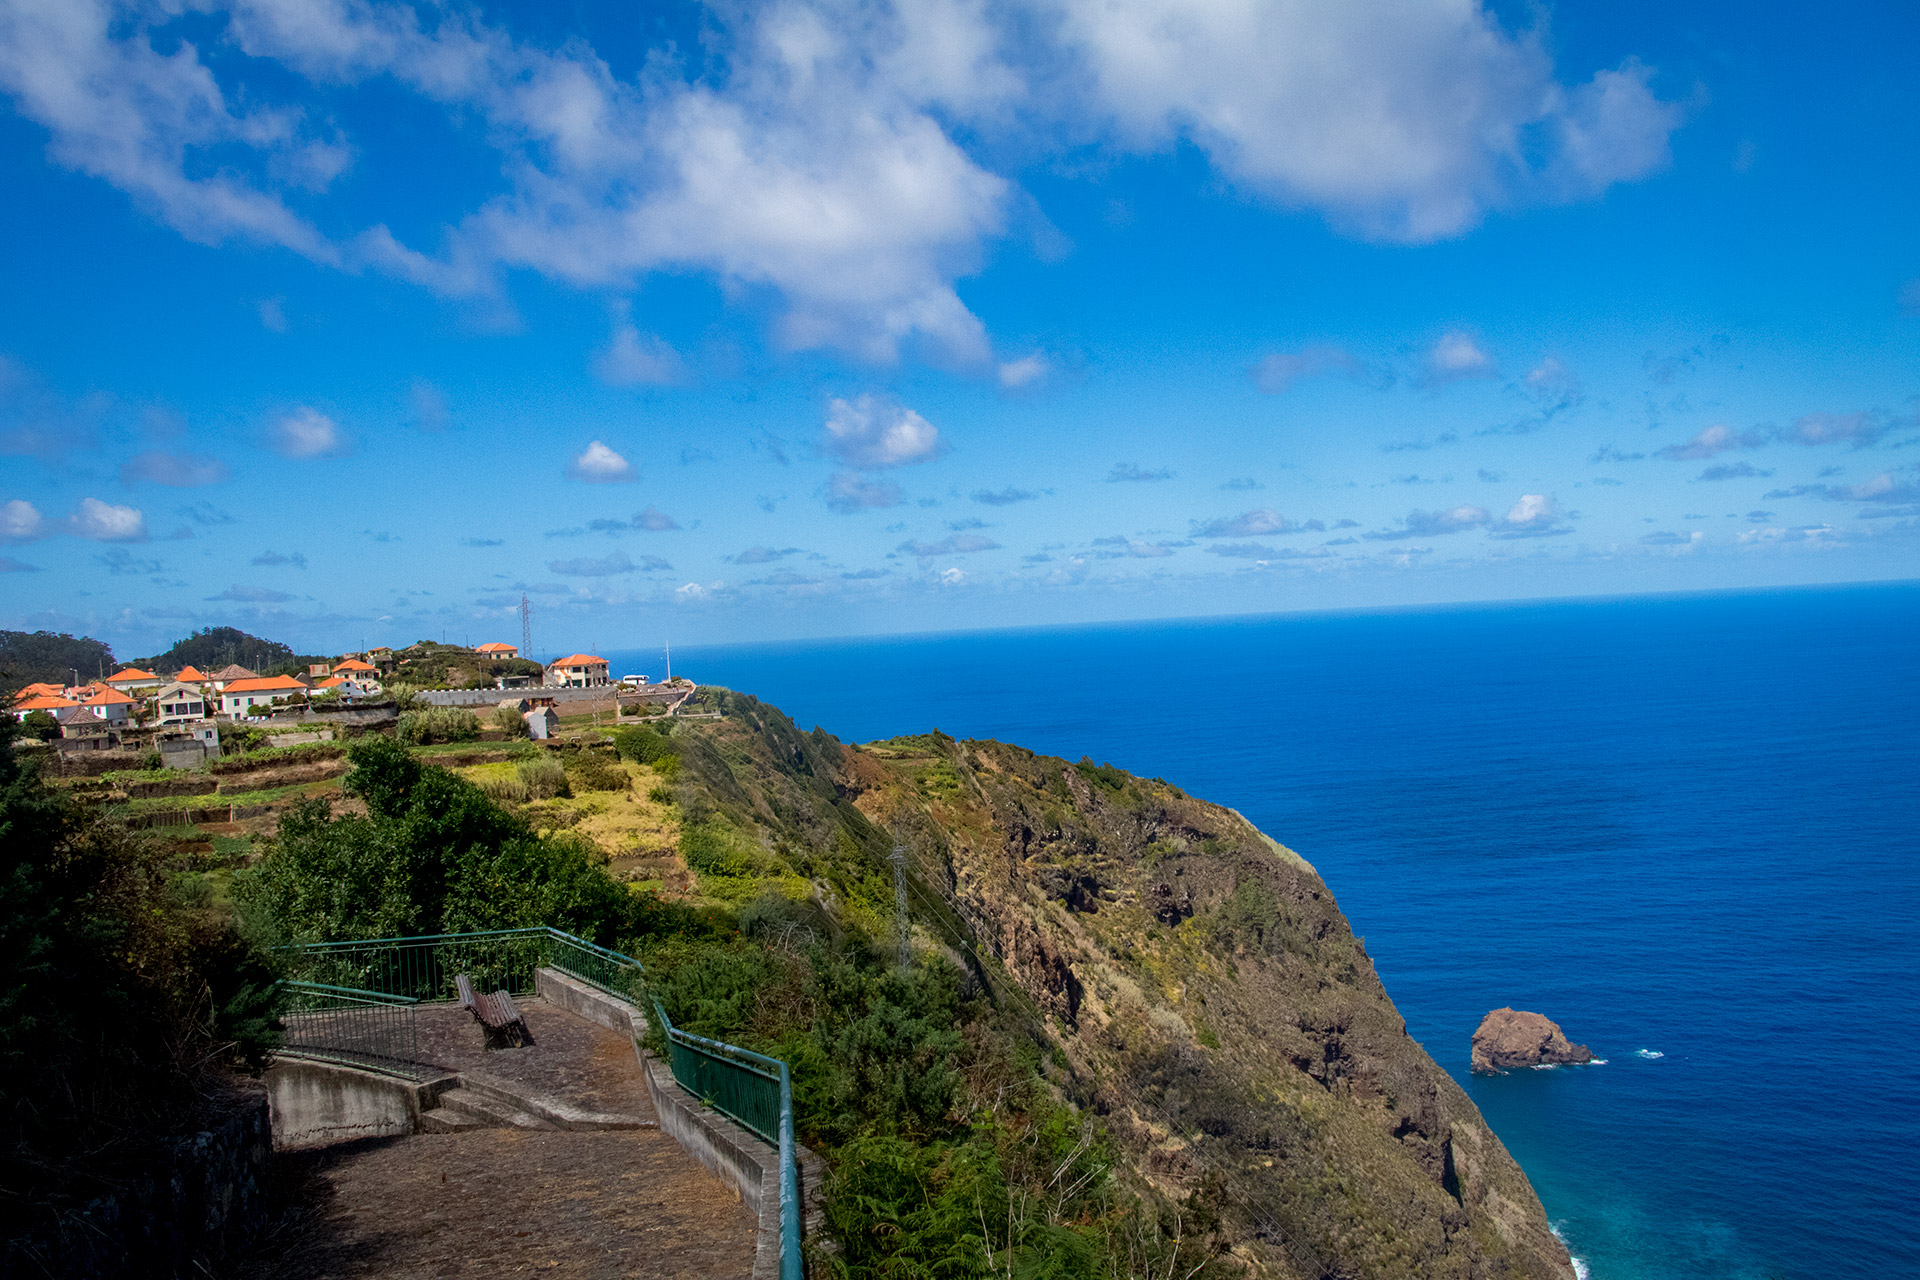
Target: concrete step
column 487, row 1111
column 442, row 1120
column 555, row 1113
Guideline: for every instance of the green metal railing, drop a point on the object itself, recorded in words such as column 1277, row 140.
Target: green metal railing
column 758, row 1092
column 342, row 1024
column 353, row 1002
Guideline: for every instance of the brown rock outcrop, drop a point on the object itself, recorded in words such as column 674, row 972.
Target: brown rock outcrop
column 1510, row 1038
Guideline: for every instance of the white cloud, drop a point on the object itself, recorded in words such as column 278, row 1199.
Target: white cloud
column 105, row 522
column 847, row 492
column 1713, row 440
column 20, row 521
column 598, row 464
column 1535, row 515
column 954, row 544
column 832, row 154
column 654, row 520
column 1456, row 356
column 177, row 470
column 273, row 315
column 632, row 358
column 307, row 433
column 871, row 433
column 1024, row 372
column 1248, row 524
column 1278, row 371
column 1428, row 524
column 1405, row 121
column 1856, row 429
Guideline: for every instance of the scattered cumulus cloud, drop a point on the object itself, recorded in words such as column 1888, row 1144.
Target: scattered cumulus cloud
column 307, row 433
column 632, row 358
column 1132, row 472
column 654, row 520
column 1279, row 371
column 957, row 544
column 1427, row 524
column 598, row 464
column 273, row 558
column 764, row 555
column 9, row 565
column 1732, row 471
column 1458, row 356
column 252, row 595
column 1003, row 497
column 1016, row 375
column 871, row 433
column 839, row 159
column 848, row 492
column 1535, row 515
column 1881, row 488
column 1666, row 538
column 273, row 314
column 1241, row 484
column 1248, row 524
column 175, row 470
column 20, row 521
column 1856, row 429
column 123, row 563
column 483, row 542
column 606, row 566
column 205, row 514
column 1712, row 441
column 106, row 522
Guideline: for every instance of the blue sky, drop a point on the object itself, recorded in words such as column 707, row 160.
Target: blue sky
column 353, row 322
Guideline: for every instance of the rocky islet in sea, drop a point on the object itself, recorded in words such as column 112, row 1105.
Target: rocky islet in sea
column 1510, row 1038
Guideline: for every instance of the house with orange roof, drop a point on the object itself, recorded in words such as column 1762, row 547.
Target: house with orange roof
column 181, row 702
column 111, row 705
column 191, row 674
column 129, row 679
column 354, row 669
column 497, row 652
column 44, row 702
column 241, row 697
column 39, row 689
column 577, row 670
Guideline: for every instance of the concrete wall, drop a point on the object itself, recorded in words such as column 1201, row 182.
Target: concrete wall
column 316, row 1104
column 732, row 1152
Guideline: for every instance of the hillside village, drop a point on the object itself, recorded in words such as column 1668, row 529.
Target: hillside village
column 215, row 754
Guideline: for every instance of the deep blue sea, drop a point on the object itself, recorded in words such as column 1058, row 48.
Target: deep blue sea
column 1686, row 828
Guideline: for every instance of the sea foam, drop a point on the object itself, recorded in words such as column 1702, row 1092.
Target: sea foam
column 1648, row 1054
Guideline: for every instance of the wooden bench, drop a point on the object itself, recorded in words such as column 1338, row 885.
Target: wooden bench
column 501, row 1022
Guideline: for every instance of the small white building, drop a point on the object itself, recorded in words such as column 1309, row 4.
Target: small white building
column 542, row 723
column 110, row 705
column 246, row 697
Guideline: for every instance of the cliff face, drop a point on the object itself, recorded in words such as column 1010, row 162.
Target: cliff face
column 1207, row 998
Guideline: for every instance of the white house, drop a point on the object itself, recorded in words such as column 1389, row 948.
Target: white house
column 243, row 697
column 111, row 705
column 578, row 670
column 180, row 702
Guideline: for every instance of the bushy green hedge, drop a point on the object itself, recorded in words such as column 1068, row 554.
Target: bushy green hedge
column 438, row 724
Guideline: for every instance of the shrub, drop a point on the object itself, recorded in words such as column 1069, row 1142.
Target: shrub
column 438, row 724
column 41, row 725
column 641, row 745
column 543, row 778
column 510, row 722
column 589, row 772
column 505, row 790
column 152, row 762
column 660, row 794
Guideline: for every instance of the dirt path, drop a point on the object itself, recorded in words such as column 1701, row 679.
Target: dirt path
column 511, row 1202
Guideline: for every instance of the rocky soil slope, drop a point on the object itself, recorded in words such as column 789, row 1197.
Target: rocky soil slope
column 1202, row 992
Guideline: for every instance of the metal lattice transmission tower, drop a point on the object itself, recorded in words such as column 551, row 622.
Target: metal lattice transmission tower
column 526, row 628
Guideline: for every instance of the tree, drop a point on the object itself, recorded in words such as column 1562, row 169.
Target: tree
column 29, row 657
column 41, row 725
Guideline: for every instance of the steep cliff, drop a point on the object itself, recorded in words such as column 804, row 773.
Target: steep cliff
column 1201, row 992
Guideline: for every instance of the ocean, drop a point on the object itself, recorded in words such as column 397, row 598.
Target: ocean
column 1685, row 828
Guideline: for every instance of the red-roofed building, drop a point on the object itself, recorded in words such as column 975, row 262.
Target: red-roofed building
column 44, row 702
column 131, row 678
column 39, row 689
column 577, row 670
column 497, row 651
column 354, row 669
column 110, row 705
column 238, row 697
column 191, row 674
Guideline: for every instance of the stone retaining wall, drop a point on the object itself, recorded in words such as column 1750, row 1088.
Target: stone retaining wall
column 202, row 1202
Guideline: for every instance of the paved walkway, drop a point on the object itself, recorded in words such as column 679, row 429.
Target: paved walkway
column 511, row 1202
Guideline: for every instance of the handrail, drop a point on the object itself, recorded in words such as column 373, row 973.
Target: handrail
column 772, row 1070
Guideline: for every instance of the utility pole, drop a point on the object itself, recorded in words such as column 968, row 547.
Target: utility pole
column 526, row 628
column 669, row 662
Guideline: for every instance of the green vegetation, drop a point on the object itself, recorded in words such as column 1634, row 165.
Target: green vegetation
column 590, row 771
column 641, row 745
column 212, row 648
column 124, row 990
column 432, row 855
column 41, row 725
column 438, row 724
column 428, row 664
column 50, row 657
column 509, row 721
column 542, row 778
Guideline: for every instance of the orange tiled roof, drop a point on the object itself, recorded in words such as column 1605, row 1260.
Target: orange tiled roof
column 493, row 647
column 191, row 674
column 131, row 673
column 578, row 660
column 44, row 702
column 38, row 689
column 331, row 682
column 265, row 684
column 107, row 697
column 354, row 664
